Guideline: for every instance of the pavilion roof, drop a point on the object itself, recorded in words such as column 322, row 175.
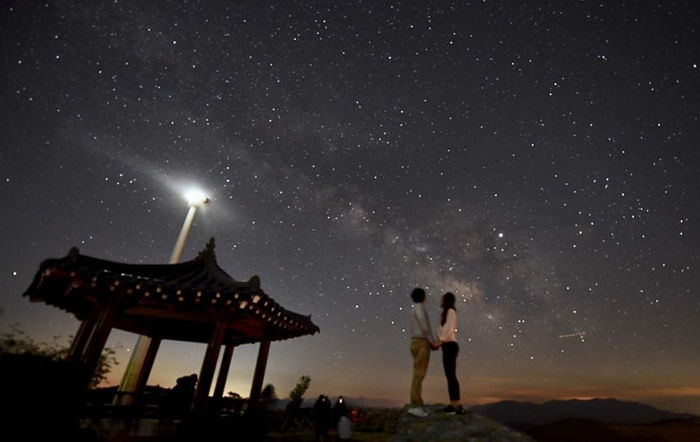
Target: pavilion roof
column 172, row 301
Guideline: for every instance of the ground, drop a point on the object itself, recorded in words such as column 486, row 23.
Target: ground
column 371, row 425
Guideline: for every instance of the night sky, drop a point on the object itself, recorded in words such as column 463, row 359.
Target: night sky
column 539, row 159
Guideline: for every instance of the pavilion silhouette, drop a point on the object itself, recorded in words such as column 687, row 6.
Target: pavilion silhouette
column 193, row 301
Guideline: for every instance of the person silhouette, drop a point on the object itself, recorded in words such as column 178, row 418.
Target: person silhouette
column 450, row 350
column 423, row 340
column 339, row 409
column 322, row 414
column 179, row 400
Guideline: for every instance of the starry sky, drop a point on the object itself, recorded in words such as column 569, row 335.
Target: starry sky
column 539, row 159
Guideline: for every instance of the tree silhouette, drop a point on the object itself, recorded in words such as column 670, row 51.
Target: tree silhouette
column 17, row 342
column 296, row 397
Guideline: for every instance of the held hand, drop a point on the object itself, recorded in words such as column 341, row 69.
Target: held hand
column 435, row 345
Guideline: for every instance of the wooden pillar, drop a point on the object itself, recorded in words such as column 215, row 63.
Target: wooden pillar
column 259, row 375
column 147, row 366
column 99, row 336
column 126, row 393
column 87, row 326
column 223, row 371
column 206, row 374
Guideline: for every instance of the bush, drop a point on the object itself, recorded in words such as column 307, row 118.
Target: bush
column 17, row 342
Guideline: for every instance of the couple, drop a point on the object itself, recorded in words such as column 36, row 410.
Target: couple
column 423, row 341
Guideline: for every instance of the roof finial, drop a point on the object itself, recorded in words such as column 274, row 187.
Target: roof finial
column 254, row 283
column 73, row 253
column 208, row 249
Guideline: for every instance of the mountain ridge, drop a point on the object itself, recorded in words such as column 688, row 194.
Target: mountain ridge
column 608, row 410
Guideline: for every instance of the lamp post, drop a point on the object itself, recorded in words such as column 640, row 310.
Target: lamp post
column 196, row 199
column 144, row 352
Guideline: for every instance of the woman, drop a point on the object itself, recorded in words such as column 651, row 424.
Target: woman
column 450, row 349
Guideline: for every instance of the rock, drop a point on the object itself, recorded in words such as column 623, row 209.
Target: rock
column 440, row 427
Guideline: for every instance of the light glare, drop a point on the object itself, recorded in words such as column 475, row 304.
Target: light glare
column 196, row 197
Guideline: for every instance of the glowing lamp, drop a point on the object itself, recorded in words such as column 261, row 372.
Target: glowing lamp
column 196, row 198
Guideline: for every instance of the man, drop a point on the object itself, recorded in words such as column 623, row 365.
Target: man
column 322, row 414
column 423, row 340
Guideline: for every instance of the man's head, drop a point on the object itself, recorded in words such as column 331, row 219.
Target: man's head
column 418, row 294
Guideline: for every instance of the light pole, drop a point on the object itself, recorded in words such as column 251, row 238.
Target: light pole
column 196, row 199
column 144, row 352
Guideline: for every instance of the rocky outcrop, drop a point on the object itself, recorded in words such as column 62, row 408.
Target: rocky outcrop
column 441, row 427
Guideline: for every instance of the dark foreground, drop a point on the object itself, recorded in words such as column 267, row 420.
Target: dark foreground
column 390, row 425
column 371, row 425
column 393, row 425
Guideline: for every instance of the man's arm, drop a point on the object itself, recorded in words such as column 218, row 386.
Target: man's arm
column 424, row 323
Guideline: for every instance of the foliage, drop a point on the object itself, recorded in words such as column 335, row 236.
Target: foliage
column 296, row 397
column 104, row 366
column 297, row 394
column 16, row 341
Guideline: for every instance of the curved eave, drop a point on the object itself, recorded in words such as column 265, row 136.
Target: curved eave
column 78, row 284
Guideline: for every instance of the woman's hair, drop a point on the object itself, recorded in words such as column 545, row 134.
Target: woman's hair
column 448, row 302
column 418, row 294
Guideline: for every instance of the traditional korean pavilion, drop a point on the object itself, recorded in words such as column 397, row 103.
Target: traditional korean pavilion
column 193, row 301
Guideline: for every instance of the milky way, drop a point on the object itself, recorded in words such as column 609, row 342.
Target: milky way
column 539, row 160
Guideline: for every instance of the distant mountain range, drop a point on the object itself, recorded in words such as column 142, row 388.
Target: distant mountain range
column 602, row 410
